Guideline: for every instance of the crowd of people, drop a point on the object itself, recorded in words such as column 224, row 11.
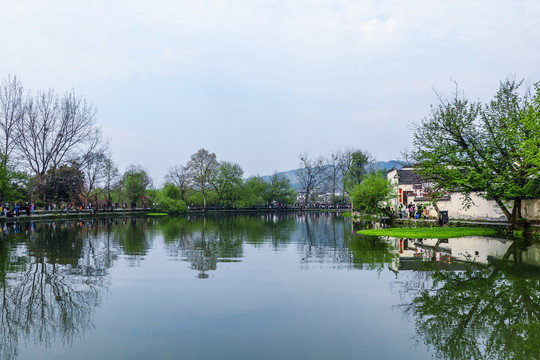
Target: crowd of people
column 15, row 209
column 412, row 211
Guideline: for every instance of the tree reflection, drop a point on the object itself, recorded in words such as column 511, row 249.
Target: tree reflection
column 373, row 252
column 49, row 286
column 325, row 239
column 203, row 241
column 479, row 313
column 132, row 237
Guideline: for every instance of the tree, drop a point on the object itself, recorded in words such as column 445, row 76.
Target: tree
column 228, row 177
column 310, row 175
column 372, row 196
column 110, row 177
column 55, row 131
column 172, row 191
column 361, row 163
column 169, row 199
column 333, row 172
column 489, row 149
column 11, row 114
column 134, row 184
column 278, row 189
column 65, row 183
column 252, row 193
column 344, row 163
column 12, row 182
column 179, row 175
column 94, row 174
column 202, row 169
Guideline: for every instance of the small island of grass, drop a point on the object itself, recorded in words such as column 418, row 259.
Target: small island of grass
column 157, row 214
column 430, row 233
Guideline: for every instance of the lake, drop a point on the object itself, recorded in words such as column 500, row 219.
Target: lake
column 264, row 286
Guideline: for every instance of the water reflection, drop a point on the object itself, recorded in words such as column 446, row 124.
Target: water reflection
column 50, row 284
column 490, row 309
column 473, row 298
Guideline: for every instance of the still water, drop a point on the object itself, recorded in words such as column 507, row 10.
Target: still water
column 276, row 286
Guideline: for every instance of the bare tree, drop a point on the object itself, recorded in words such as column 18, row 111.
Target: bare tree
column 110, row 177
column 202, row 169
column 56, row 131
column 11, row 113
column 94, row 175
column 333, row 171
column 179, row 175
column 311, row 174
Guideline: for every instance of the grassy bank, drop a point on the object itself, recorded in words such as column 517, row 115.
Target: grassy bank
column 430, row 233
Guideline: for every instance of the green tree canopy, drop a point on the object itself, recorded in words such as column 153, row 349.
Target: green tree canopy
column 172, row 191
column 360, row 165
column 279, row 189
column 372, row 196
column 227, row 179
column 134, row 183
column 254, row 188
column 168, row 199
column 12, row 182
column 490, row 149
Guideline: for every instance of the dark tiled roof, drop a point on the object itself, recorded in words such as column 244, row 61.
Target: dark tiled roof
column 407, row 177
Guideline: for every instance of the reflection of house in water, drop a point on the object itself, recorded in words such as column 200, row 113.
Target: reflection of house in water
column 455, row 254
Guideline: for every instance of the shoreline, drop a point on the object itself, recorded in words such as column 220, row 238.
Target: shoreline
column 44, row 215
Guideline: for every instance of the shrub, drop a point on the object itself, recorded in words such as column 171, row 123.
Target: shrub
column 172, row 206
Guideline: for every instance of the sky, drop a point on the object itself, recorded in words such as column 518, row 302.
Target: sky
column 259, row 82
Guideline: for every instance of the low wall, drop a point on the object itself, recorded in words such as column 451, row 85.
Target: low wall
column 531, row 209
column 485, row 210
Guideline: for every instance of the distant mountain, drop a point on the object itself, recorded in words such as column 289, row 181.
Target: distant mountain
column 293, row 177
column 387, row 165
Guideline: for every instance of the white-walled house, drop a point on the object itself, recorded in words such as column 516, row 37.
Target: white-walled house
column 412, row 187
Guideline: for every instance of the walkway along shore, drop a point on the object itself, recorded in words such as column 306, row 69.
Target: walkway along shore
column 48, row 215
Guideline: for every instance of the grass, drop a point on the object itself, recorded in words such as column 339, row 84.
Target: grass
column 346, row 214
column 157, row 214
column 430, row 233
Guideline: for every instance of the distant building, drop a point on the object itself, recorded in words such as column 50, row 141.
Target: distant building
column 413, row 188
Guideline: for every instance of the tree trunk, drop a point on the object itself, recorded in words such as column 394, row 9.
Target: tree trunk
column 217, row 203
column 517, row 222
column 204, row 200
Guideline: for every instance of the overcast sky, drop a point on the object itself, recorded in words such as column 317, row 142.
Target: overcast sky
column 258, row 82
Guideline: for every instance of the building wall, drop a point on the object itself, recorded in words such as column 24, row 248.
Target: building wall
column 487, row 210
column 531, row 209
column 481, row 209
